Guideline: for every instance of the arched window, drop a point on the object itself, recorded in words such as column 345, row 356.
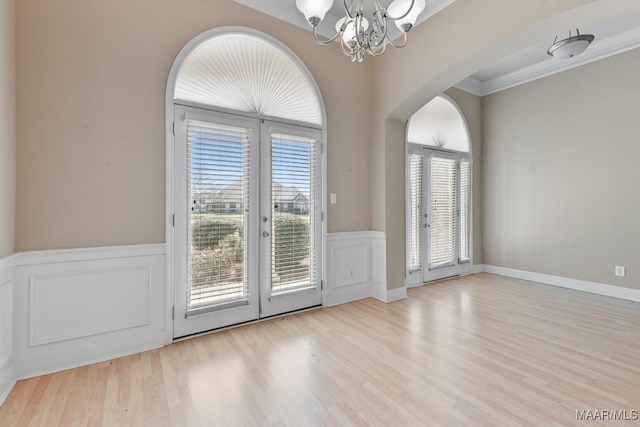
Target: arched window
column 438, row 192
column 441, row 125
column 245, row 72
column 245, row 155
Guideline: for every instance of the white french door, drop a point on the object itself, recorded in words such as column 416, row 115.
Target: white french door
column 291, row 220
column 439, row 215
column 247, row 219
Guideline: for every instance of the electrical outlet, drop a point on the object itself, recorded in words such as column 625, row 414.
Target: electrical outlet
column 620, row 271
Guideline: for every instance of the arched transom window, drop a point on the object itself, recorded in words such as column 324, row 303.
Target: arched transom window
column 246, row 73
column 439, row 124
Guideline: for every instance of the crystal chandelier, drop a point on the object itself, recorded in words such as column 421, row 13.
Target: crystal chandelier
column 358, row 35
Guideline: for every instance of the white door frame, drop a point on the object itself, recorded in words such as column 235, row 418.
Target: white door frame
column 170, row 163
column 271, row 305
column 212, row 319
column 419, row 277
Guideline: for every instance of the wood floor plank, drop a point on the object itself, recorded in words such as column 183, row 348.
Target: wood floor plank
column 480, row 350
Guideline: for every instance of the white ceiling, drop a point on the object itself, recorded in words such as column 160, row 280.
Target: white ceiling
column 612, row 37
column 287, row 11
column 531, row 63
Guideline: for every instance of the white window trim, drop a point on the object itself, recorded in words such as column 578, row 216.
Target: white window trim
column 414, row 278
column 169, row 150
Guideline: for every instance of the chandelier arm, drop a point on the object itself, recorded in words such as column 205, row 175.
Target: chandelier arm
column 380, row 6
column 379, row 52
column 326, row 41
column 348, row 9
column 383, row 29
column 358, row 24
column 347, row 50
column 403, row 16
column 399, row 46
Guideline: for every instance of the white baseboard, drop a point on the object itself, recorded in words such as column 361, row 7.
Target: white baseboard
column 396, row 294
column 565, row 282
column 477, row 268
column 7, row 380
column 348, row 294
column 7, row 367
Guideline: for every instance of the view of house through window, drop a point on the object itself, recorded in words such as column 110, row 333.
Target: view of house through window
column 247, row 188
column 438, row 193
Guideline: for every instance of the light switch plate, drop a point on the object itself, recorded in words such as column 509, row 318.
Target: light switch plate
column 334, row 198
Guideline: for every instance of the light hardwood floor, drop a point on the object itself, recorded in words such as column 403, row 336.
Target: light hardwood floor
column 481, row 350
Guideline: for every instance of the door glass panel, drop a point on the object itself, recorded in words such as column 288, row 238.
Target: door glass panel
column 293, row 200
column 443, row 219
column 465, row 211
column 415, row 212
column 217, row 216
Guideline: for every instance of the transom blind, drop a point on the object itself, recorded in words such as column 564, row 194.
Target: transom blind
column 293, row 202
column 442, row 212
column 218, row 218
column 465, row 211
column 247, row 73
column 415, row 212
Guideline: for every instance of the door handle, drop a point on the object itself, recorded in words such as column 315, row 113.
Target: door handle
column 265, row 234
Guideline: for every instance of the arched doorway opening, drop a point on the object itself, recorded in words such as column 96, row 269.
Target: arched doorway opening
column 439, row 187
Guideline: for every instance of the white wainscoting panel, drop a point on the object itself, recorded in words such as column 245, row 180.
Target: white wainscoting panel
column 58, row 300
column 7, row 371
column 565, row 282
column 348, row 267
column 356, row 268
column 379, row 266
column 83, row 306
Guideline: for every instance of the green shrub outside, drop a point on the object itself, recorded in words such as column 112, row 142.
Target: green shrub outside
column 220, row 241
column 207, row 233
column 291, row 243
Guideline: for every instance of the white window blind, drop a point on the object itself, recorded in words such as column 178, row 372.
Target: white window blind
column 442, row 219
column 415, row 212
column 293, row 201
column 465, row 210
column 247, row 73
column 218, row 218
column 440, row 124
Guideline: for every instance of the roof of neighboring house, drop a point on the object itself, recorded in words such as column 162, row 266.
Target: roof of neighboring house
column 233, row 194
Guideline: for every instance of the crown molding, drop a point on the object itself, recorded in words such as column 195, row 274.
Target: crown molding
column 471, row 85
column 606, row 48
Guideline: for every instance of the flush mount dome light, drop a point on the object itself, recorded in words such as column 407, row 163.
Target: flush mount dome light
column 571, row 46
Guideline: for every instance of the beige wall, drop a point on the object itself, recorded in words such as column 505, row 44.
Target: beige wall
column 561, row 173
column 91, row 80
column 7, row 127
column 471, row 107
column 477, row 34
column 91, row 85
